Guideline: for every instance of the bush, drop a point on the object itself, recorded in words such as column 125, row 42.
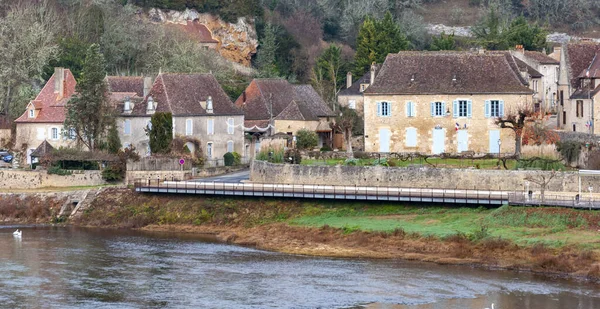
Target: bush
column 351, row 162
column 113, row 172
column 381, row 161
column 361, row 155
column 326, row 148
column 56, row 170
column 229, row 159
column 569, row 150
column 306, row 139
column 273, row 155
column 237, row 158
column 293, row 156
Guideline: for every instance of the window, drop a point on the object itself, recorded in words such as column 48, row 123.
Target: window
column 562, row 98
column 189, row 127
column 54, row 133
column 127, row 127
column 462, row 108
column 209, row 150
column 229, row 146
column 149, row 124
column 411, row 109
column 31, row 113
column 411, row 137
column 384, row 109
column 352, row 104
column 437, row 109
column 579, row 108
column 363, row 87
column 72, row 133
column 210, row 127
column 230, row 126
column 494, row 108
column 535, row 86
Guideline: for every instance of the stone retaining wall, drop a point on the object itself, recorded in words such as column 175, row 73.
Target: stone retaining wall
column 423, row 177
column 20, row 179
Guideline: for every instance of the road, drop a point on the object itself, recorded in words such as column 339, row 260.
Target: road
column 236, row 177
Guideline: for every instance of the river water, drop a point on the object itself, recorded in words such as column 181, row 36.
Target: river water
column 69, row 267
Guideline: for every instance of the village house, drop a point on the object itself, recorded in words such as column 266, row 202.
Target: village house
column 200, row 109
column 545, row 90
column 275, row 106
column 579, row 87
column 444, row 102
column 44, row 116
column 352, row 96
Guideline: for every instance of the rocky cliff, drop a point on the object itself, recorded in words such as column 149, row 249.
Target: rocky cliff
column 237, row 42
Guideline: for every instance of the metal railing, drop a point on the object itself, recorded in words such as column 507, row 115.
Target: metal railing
column 525, row 199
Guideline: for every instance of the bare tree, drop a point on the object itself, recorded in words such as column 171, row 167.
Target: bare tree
column 515, row 119
column 542, row 179
column 344, row 123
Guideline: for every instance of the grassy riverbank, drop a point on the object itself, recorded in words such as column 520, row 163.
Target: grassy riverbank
column 547, row 240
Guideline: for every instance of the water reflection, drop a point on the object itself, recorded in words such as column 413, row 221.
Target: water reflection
column 75, row 268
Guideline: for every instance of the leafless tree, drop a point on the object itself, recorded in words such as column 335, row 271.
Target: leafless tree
column 542, row 179
column 515, row 119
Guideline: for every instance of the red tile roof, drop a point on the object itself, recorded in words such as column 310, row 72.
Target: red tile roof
column 126, row 84
column 579, row 56
column 541, row 57
column 51, row 105
column 448, row 73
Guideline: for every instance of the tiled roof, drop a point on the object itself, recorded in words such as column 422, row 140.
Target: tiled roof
column 126, row 84
column 541, row 57
column 579, row 56
column 43, row 149
column 289, row 102
column 197, row 31
column 51, row 105
column 585, row 93
column 594, row 68
column 355, row 87
column 181, row 95
column 448, row 72
column 530, row 70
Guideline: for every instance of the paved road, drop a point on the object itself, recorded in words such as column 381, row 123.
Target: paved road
column 236, row 177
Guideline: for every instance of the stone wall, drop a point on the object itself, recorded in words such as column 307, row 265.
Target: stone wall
column 263, row 172
column 19, row 179
column 131, row 176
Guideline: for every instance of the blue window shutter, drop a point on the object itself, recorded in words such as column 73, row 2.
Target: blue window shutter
column 501, row 108
column 432, row 109
column 378, row 108
column 487, row 108
column 389, row 109
column 469, row 108
column 443, row 108
column 455, row 108
column 413, row 109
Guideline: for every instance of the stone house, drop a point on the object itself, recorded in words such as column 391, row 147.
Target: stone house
column 546, row 89
column 44, row 116
column 352, row 95
column 200, row 109
column 578, row 87
column 443, row 102
column 275, row 106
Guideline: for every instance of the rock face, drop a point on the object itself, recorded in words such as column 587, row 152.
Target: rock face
column 237, row 42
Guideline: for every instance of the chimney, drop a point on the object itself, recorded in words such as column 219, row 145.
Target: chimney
column 372, row 74
column 147, row 85
column 151, row 106
column 348, row 79
column 244, row 96
column 209, row 105
column 59, row 82
column 520, row 49
column 544, row 51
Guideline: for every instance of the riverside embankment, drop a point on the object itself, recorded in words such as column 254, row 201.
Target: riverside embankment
column 546, row 240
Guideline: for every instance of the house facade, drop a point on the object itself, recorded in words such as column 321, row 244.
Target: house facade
column 546, row 90
column 443, row 102
column 200, row 109
column 274, row 106
column 352, row 95
column 44, row 116
column 578, row 87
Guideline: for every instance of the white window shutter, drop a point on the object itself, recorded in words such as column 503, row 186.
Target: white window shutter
column 501, row 108
column 443, row 108
column 413, row 109
column 378, row 108
column 487, row 109
column 455, row 108
column 469, row 108
column 432, row 109
column 389, row 109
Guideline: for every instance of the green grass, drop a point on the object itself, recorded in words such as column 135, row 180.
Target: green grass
column 510, row 223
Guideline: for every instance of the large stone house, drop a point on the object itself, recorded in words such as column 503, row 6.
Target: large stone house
column 579, row 87
column 200, row 109
column 44, row 116
column 443, row 102
column 545, row 91
column 275, row 106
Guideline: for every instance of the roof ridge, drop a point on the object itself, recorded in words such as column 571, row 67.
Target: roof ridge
column 166, row 93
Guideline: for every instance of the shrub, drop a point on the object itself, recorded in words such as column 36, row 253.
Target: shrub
column 361, row 155
column 569, row 150
column 237, row 158
column 380, row 161
column 306, row 139
column 114, row 172
column 325, row 148
column 273, row 155
column 351, row 162
column 229, row 159
column 56, row 170
column 293, row 156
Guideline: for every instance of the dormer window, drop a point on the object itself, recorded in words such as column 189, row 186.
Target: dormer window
column 412, row 78
column 31, row 113
column 363, row 87
column 150, row 108
column 127, row 106
column 209, row 105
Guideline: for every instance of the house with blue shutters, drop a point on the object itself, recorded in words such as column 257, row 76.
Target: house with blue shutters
column 444, row 102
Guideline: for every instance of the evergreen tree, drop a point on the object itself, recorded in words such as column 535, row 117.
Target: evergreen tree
column 88, row 111
column 113, row 140
column 265, row 59
column 160, row 132
column 443, row 42
column 532, row 37
column 375, row 40
column 331, row 66
column 488, row 32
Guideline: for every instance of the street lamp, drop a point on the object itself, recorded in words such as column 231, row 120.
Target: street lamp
column 528, row 195
column 590, row 188
column 499, row 144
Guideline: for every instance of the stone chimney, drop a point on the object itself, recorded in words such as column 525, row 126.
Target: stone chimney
column 59, row 82
column 147, row 85
column 372, row 74
column 244, row 96
column 348, row 79
column 520, row 49
column 209, row 105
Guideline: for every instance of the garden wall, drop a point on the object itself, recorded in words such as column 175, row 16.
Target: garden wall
column 19, row 179
column 417, row 177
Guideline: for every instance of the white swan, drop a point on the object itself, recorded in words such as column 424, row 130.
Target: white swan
column 17, row 233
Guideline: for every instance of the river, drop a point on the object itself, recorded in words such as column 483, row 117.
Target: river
column 68, row 267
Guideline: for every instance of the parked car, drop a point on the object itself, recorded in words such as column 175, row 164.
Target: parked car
column 6, row 156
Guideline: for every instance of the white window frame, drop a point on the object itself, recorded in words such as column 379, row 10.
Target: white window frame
column 54, row 133
column 230, row 146
column 468, row 108
column 438, row 106
column 31, row 113
column 384, row 109
column 126, row 127
column 210, row 126
column 464, row 109
column 189, row 127
column 72, row 133
column 491, row 112
column 411, row 109
column 352, row 104
column 209, row 150
column 230, row 126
